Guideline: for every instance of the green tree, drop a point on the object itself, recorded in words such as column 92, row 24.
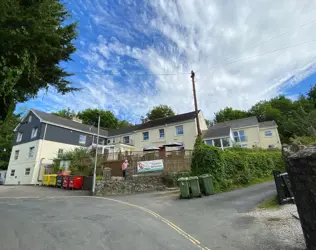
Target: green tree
column 157, row 112
column 228, row 114
column 35, row 37
column 66, row 113
column 107, row 118
column 6, row 139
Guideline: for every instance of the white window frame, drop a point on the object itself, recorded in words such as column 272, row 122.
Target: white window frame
column 268, row 131
column 81, row 140
column 34, row 132
column 221, row 142
column 19, row 137
column 177, row 130
column 31, row 150
column 162, row 131
column 12, row 172
column 30, row 118
column 16, row 154
column 126, row 141
column 239, row 136
column 27, row 171
column 60, row 152
column 145, row 139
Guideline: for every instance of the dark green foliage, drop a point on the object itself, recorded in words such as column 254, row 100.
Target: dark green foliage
column 35, row 37
column 235, row 167
column 157, row 112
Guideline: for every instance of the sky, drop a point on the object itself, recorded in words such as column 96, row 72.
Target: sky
column 133, row 55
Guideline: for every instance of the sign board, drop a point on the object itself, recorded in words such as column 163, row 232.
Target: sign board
column 149, row 166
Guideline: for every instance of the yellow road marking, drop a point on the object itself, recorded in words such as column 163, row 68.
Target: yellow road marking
column 166, row 221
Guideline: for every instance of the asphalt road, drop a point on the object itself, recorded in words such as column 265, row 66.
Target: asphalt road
column 131, row 222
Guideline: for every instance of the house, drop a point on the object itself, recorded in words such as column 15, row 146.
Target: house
column 41, row 137
column 179, row 128
column 247, row 133
column 3, row 175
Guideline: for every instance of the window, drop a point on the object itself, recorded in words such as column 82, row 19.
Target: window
column 239, row 136
column 19, row 138
column 217, row 143
column 34, row 132
column 268, row 133
column 30, row 118
column 60, row 152
column 145, row 136
column 161, row 133
column 109, row 141
column 226, row 142
column 16, row 154
column 179, row 130
column 82, row 139
column 126, row 139
column 27, row 171
column 101, row 141
column 208, row 142
column 12, row 172
column 31, row 152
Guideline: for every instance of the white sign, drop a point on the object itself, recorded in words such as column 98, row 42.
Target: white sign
column 148, row 166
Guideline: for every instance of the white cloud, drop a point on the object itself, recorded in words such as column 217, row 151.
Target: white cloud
column 206, row 36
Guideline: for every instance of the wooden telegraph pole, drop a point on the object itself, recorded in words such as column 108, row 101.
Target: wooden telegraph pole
column 195, row 104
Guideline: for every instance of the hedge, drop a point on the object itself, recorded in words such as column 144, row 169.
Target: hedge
column 235, row 167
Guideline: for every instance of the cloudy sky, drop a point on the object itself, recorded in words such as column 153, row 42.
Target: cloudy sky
column 133, row 54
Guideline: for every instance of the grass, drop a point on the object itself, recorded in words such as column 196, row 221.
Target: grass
column 269, row 203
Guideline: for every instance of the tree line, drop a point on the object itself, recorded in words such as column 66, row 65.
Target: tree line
column 294, row 118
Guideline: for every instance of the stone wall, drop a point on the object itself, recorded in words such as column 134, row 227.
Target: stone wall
column 301, row 168
column 133, row 184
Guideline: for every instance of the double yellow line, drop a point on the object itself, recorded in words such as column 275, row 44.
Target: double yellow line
column 169, row 223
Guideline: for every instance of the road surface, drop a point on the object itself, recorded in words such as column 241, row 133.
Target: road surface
column 145, row 221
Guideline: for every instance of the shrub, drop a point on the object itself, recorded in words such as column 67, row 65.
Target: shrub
column 234, row 167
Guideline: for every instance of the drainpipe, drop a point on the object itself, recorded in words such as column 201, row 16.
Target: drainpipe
column 40, row 163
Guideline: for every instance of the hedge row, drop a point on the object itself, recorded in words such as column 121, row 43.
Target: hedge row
column 234, row 168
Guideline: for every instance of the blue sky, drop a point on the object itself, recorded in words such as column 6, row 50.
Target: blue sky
column 132, row 54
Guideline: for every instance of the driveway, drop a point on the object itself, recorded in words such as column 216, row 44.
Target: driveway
column 145, row 221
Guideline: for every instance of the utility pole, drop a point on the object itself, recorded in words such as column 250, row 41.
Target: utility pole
column 96, row 157
column 195, row 104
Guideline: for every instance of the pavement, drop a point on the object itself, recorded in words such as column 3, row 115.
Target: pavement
column 56, row 220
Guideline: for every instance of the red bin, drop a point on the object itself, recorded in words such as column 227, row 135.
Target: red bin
column 76, row 182
column 66, row 181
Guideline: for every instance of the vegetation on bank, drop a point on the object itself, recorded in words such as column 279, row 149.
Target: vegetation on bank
column 269, row 203
column 235, row 168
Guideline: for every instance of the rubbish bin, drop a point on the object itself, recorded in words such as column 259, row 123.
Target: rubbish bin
column 194, row 186
column 52, row 180
column 184, row 187
column 45, row 180
column 206, row 184
column 66, row 181
column 76, row 182
column 59, row 181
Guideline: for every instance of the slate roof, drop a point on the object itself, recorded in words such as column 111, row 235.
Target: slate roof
column 154, row 123
column 63, row 122
column 214, row 132
column 239, row 123
column 267, row 124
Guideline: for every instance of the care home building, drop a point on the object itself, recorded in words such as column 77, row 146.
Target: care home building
column 41, row 137
column 246, row 133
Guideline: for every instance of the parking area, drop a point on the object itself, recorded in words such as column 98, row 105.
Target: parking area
column 37, row 191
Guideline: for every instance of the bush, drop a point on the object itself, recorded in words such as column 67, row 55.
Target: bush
column 235, row 167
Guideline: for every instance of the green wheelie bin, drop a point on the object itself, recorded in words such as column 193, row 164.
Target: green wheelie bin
column 194, row 186
column 184, row 187
column 206, row 184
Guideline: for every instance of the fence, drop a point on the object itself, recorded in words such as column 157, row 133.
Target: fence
column 174, row 161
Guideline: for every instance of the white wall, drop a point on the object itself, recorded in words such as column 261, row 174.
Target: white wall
column 270, row 140
column 22, row 163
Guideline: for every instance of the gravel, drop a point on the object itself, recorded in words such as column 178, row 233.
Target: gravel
column 282, row 223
